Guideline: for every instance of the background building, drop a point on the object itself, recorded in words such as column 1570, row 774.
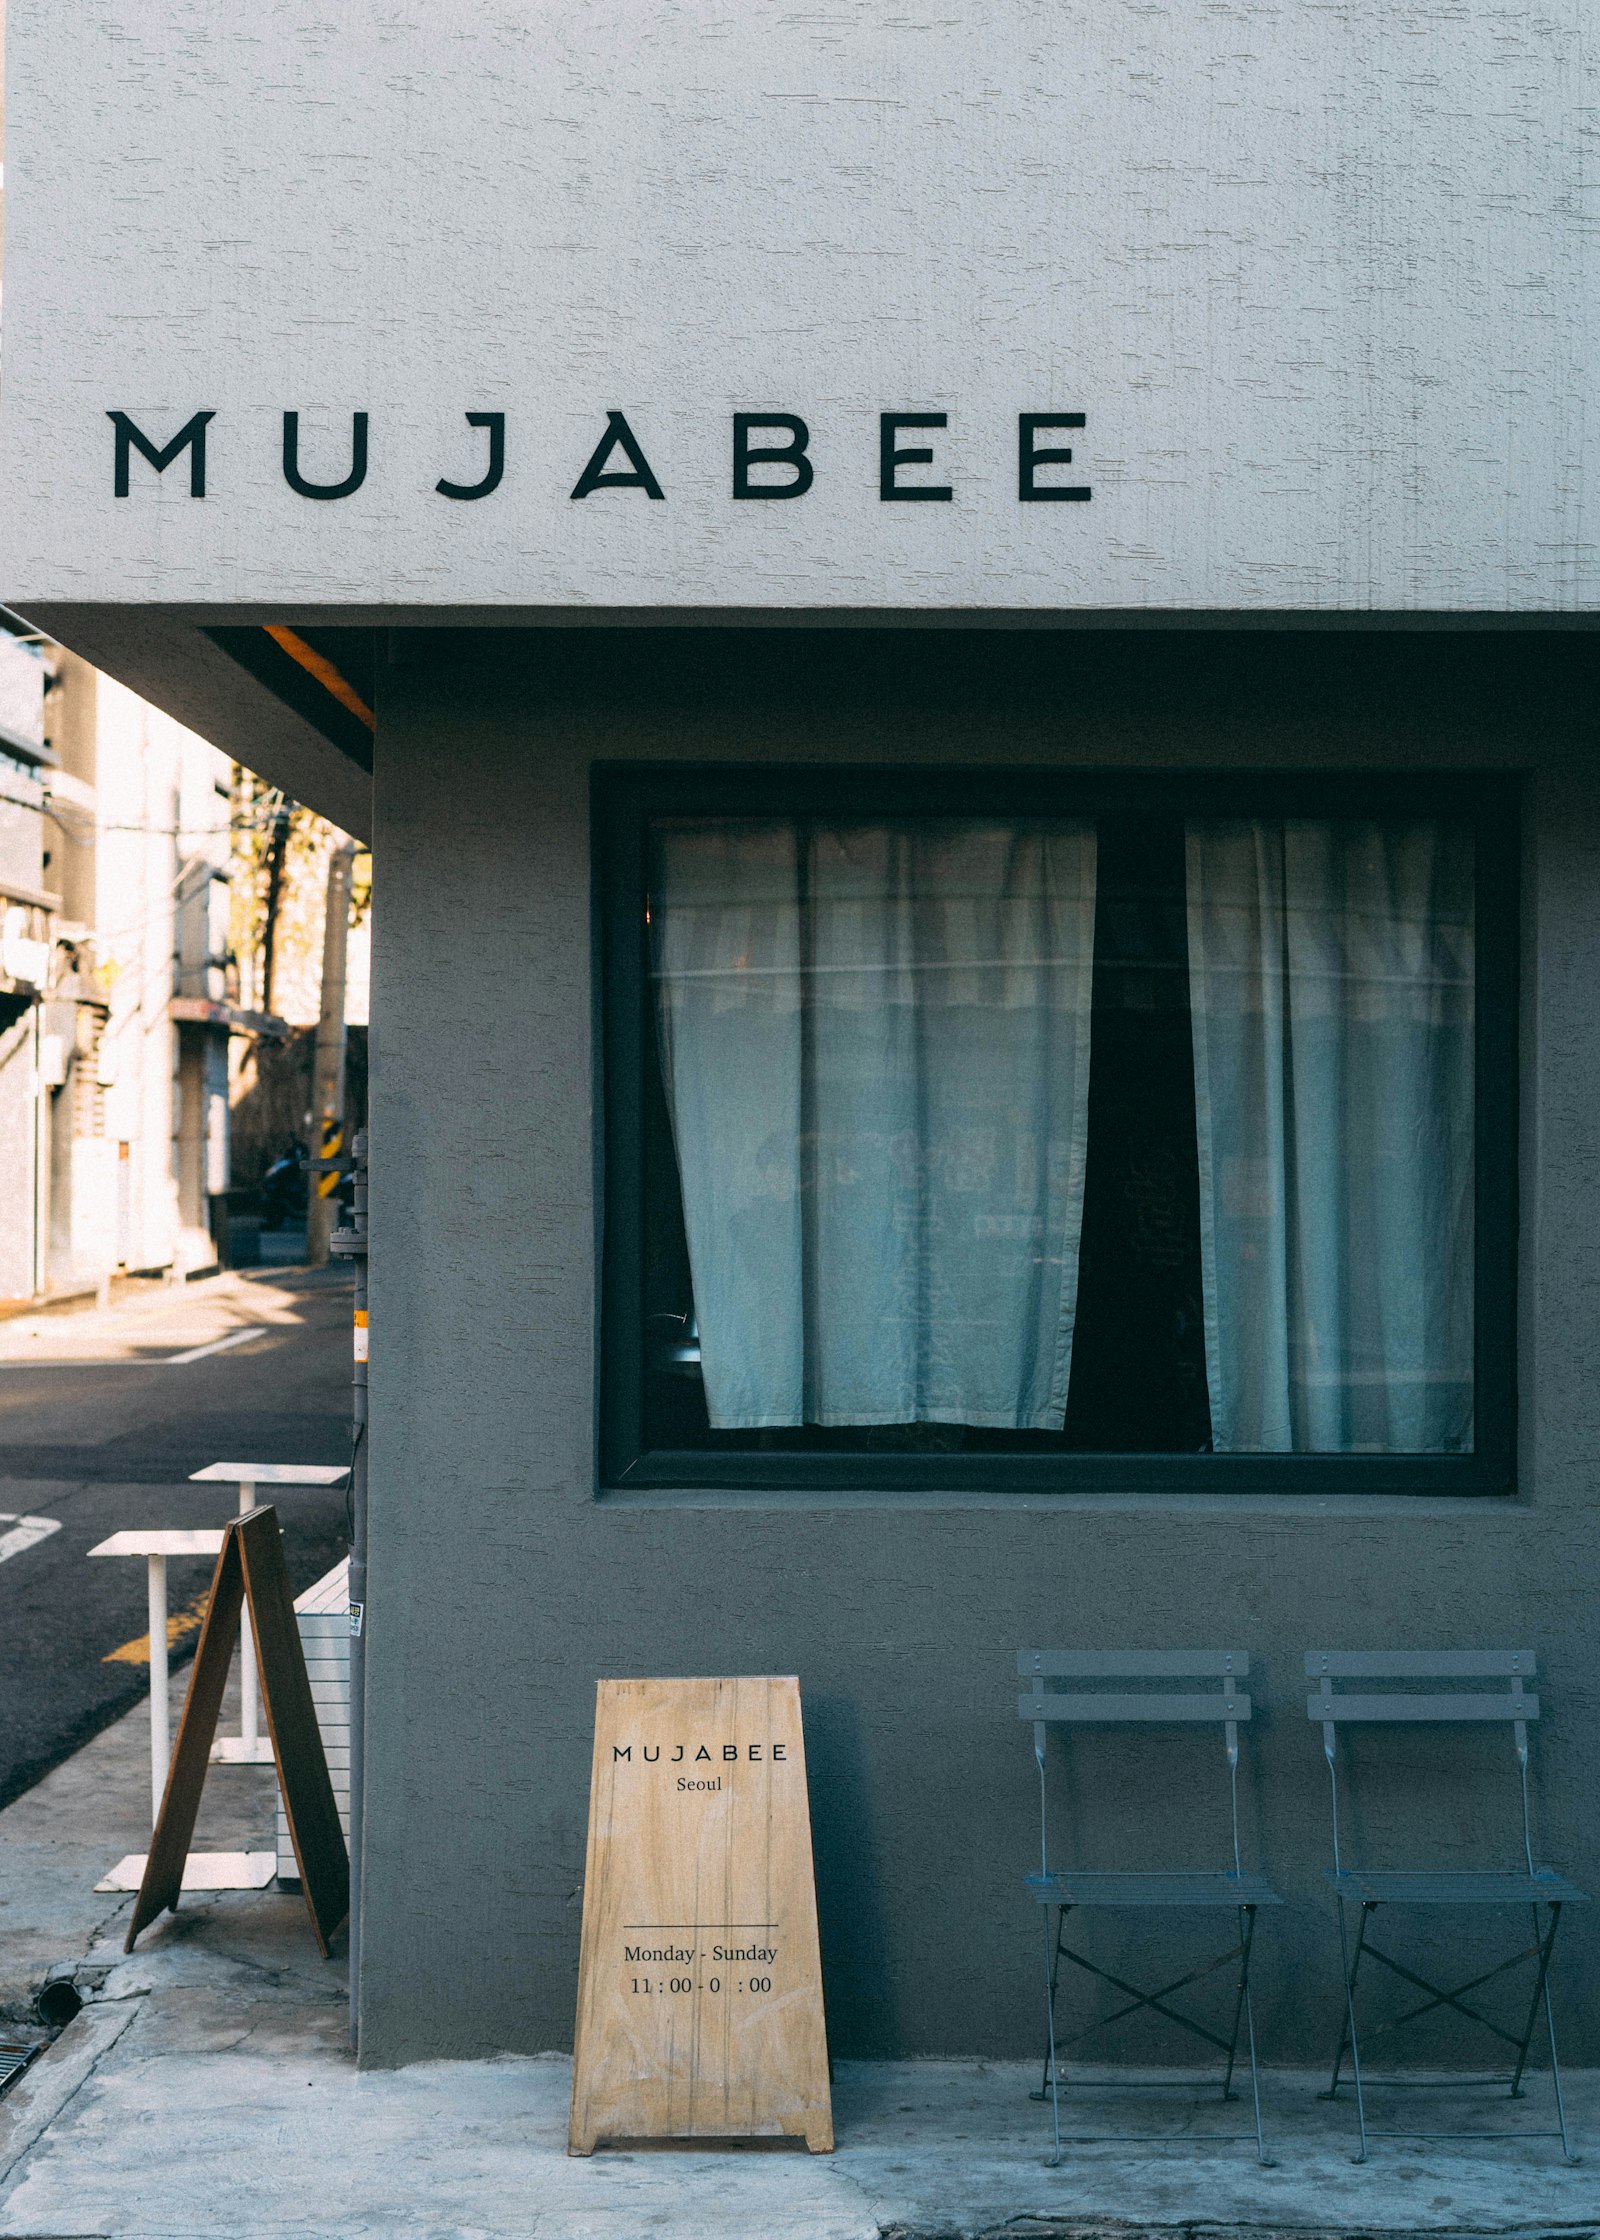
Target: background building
column 26, row 965
column 135, row 938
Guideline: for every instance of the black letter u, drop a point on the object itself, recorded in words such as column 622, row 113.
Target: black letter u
column 291, row 460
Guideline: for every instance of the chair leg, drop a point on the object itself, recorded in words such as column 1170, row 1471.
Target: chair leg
column 1543, row 1944
column 1555, row 2065
column 1052, row 1975
column 1249, row 1938
column 1052, row 2066
column 1057, row 1948
column 1541, row 1991
column 1332, row 2092
column 1352, row 1968
column 1247, row 1924
column 1262, row 2156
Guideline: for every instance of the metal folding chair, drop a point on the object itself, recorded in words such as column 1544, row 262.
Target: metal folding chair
column 1094, row 1703
column 1430, row 1692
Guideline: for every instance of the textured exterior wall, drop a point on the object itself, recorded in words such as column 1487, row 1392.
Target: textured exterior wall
column 1321, row 278
column 501, row 1587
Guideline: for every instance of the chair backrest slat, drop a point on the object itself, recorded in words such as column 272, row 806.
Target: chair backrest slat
column 1420, row 1664
column 1428, row 1700
column 1423, row 1707
column 1216, row 1701
column 1090, row 1709
column 1132, row 1664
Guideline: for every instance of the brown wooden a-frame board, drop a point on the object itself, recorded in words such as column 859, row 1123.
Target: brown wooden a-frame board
column 699, row 1983
column 251, row 1564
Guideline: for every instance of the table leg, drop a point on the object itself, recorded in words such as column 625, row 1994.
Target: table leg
column 250, row 1722
column 160, row 1736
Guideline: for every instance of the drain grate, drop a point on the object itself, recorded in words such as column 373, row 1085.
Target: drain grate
column 14, row 2059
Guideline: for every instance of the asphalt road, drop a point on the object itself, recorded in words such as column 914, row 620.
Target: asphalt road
column 99, row 1428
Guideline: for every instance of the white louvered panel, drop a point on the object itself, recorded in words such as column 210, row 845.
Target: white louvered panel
column 322, row 1616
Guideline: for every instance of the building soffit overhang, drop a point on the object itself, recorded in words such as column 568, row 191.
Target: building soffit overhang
column 268, row 710
column 293, row 697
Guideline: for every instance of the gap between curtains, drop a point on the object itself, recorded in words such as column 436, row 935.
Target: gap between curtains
column 875, row 1045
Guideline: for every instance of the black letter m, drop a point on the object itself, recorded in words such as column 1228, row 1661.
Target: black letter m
column 191, row 437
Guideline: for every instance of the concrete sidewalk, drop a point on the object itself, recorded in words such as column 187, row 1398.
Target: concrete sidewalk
column 208, row 2091
column 58, row 1840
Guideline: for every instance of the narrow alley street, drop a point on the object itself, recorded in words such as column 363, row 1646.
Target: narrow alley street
column 103, row 1417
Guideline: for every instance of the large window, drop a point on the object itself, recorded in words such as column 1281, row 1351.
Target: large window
column 1031, row 1131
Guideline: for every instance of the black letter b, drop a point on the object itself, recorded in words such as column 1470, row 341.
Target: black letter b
column 792, row 454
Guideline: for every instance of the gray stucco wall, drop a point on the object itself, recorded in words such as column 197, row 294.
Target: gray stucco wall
column 501, row 1587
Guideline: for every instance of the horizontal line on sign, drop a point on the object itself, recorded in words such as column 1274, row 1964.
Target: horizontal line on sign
column 700, row 1924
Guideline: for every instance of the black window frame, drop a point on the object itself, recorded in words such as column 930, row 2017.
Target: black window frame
column 627, row 798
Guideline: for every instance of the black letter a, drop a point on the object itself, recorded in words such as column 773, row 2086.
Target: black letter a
column 191, row 436
column 618, row 437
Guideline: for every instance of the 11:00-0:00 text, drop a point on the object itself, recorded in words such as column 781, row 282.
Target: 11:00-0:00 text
column 642, row 1984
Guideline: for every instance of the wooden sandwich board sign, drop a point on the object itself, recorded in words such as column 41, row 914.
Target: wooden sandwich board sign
column 699, row 1978
column 251, row 1566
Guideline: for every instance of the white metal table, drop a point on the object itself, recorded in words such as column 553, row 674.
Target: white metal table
column 250, row 1747
column 155, row 1547
column 215, row 1870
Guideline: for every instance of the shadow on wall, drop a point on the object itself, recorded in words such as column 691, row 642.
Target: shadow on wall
column 863, row 2021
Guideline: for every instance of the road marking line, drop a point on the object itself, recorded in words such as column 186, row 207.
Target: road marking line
column 179, row 1628
column 217, row 1345
column 26, row 1532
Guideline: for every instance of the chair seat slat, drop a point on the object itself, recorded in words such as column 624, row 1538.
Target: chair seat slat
column 1174, row 1887
column 1446, row 1886
column 1426, row 1709
column 1153, row 1710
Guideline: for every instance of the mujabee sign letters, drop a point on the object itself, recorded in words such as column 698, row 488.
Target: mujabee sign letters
column 771, row 458
column 699, row 1980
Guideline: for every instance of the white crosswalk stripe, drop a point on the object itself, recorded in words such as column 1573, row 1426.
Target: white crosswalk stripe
column 26, row 1532
column 217, row 1345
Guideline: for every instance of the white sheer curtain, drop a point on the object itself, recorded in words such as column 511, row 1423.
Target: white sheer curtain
column 875, row 1043
column 1331, row 989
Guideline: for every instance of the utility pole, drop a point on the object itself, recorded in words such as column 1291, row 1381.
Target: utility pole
column 277, row 849
column 327, row 1078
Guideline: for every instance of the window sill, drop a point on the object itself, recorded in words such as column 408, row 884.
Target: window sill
column 1307, row 1506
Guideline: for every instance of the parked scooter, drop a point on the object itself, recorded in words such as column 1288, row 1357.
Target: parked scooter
column 284, row 1189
